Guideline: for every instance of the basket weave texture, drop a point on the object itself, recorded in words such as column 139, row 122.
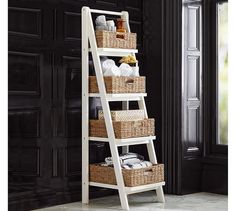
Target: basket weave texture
column 119, row 84
column 123, row 129
column 109, row 39
column 132, row 177
column 124, row 115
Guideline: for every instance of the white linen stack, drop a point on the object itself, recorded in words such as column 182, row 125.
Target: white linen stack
column 109, row 68
column 129, row 161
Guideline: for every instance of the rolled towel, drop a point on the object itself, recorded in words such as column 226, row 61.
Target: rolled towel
column 110, row 23
column 112, row 71
column 125, row 70
column 109, row 68
column 101, row 20
column 107, row 64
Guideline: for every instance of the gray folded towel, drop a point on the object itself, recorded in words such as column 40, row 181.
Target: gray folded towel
column 127, row 158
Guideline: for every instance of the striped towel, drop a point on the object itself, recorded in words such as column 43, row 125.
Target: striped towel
column 127, row 158
column 142, row 164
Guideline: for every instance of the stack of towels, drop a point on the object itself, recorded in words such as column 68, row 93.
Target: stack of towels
column 129, row 161
column 109, row 68
column 103, row 24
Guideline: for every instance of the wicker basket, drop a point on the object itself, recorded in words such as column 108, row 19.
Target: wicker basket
column 123, row 129
column 122, row 84
column 124, row 115
column 132, row 177
column 109, row 39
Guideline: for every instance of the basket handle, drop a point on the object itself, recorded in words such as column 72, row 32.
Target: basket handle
column 148, row 172
column 121, row 35
column 129, row 81
column 137, row 124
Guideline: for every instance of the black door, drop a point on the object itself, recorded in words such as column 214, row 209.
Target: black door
column 45, row 99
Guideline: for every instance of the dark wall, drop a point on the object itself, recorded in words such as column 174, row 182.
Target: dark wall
column 45, row 95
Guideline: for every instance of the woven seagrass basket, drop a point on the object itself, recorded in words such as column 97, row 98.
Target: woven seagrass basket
column 119, row 84
column 124, row 115
column 123, row 129
column 109, row 39
column 132, row 177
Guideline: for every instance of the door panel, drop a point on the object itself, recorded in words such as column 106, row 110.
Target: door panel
column 45, row 99
column 192, row 98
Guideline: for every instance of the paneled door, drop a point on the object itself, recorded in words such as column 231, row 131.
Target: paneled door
column 45, row 99
column 192, row 97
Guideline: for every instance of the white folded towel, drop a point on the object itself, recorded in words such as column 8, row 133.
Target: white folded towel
column 125, row 70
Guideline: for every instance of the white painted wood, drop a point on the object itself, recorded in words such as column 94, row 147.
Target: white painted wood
column 142, row 188
column 85, row 108
column 107, row 115
column 130, row 190
column 160, row 194
column 120, row 52
column 142, row 106
column 125, row 16
column 105, row 12
column 125, row 106
column 126, row 141
column 121, row 97
column 103, row 185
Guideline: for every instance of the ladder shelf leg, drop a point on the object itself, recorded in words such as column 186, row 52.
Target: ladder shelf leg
column 85, row 111
column 160, row 194
column 107, row 115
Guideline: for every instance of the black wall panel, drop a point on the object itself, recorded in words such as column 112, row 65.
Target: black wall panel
column 45, row 96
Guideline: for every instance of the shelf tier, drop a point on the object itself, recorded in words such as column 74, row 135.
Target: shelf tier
column 130, row 190
column 126, row 141
column 121, row 97
column 115, row 51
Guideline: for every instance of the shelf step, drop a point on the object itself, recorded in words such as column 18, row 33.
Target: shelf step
column 115, row 51
column 130, row 190
column 121, row 97
column 126, row 141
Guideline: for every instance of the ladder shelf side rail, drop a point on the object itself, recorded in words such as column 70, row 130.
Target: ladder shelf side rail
column 107, row 115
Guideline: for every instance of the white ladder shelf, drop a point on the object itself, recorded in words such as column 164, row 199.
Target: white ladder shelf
column 88, row 37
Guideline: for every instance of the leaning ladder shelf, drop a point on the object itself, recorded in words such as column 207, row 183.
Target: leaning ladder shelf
column 88, row 37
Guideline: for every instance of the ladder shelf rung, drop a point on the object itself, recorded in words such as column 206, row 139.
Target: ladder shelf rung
column 121, row 97
column 130, row 190
column 126, row 141
column 114, row 51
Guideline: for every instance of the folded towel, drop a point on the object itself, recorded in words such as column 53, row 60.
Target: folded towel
column 125, row 70
column 127, row 158
column 142, row 164
column 139, row 165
